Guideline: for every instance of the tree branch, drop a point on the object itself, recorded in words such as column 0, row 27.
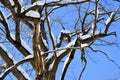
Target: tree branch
column 17, row 31
column 111, row 19
column 96, row 16
column 50, row 34
column 105, row 56
column 13, row 68
column 83, row 59
column 67, row 63
column 5, row 55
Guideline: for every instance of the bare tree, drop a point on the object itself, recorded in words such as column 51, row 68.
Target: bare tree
column 31, row 29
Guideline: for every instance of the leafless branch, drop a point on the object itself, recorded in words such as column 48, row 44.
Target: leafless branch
column 111, row 19
column 50, row 34
column 66, row 64
column 96, row 16
column 83, row 59
column 105, row 56
column 14, row 66
column 10, row 62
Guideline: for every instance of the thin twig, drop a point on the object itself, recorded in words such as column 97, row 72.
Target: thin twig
column 96, row 16
column 83, row 58
column 59, row 49
column 105, row 56
column 50, row 34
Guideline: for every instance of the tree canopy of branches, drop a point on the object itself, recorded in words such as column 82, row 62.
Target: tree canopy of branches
column 32, row 30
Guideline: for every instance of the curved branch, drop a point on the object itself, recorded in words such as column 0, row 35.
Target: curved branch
column 50, row 34
column 83, row 58
column 26, row 59
column 10, row 62
column 67, row 62
column 83, row 69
